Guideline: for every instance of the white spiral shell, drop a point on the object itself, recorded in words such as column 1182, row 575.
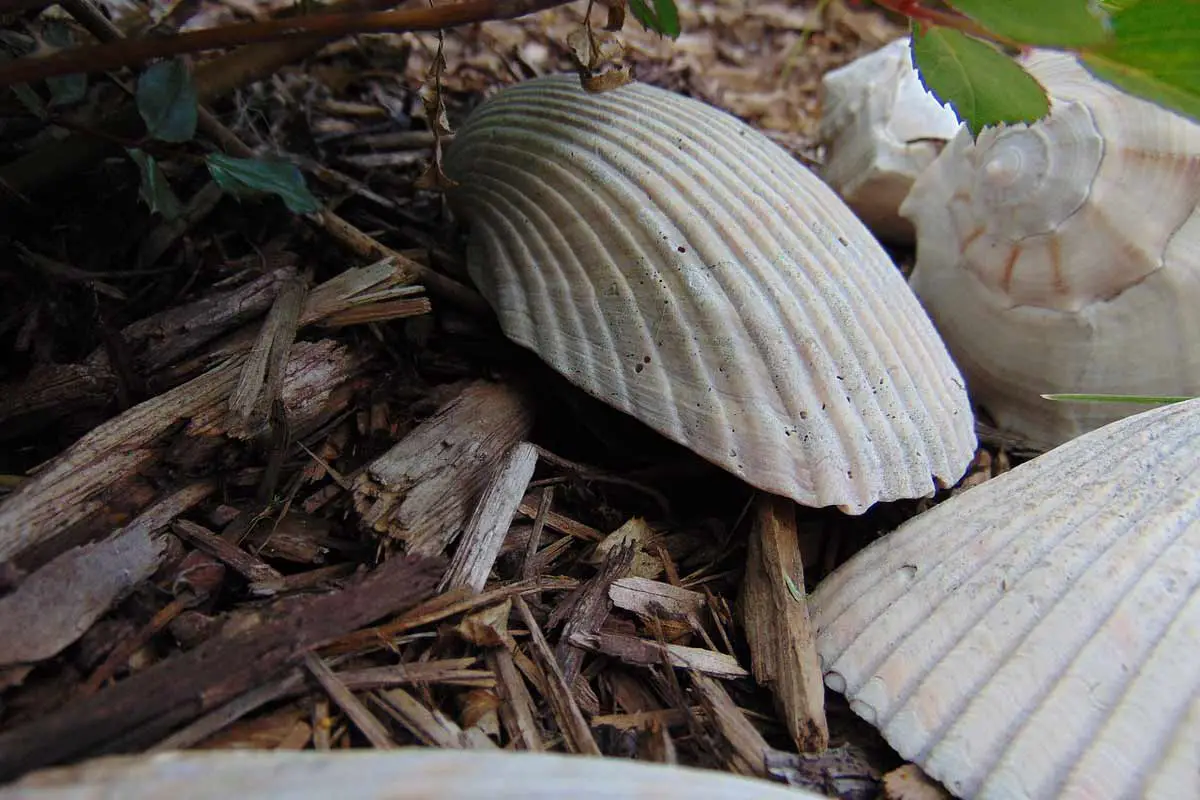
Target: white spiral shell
column 678, row 265
column 1064, row 256
column 880, row 130
column 1038, row 635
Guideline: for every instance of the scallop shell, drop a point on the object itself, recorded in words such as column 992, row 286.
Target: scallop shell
column 880, row 129
column 1037, row 635
column 1064, row 256
column 678, row 265
column 404, row 774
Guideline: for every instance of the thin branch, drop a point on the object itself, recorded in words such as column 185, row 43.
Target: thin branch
column 117, row 54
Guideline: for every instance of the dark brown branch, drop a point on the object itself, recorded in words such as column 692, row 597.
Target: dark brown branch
column 315, row 27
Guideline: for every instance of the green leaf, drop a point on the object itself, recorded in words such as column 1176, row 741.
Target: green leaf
column 663, row 18
column 1043, row 23
column 167, row 101
column 1139, row 399
column 155, row 190
column 982, row 85
column 250, row 177
column 1154, row 54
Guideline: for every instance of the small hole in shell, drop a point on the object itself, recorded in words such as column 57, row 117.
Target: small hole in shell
column 681, row 249
column 638, row 368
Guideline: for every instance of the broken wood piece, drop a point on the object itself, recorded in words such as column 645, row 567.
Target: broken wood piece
column 262, row 372
column 353, row 708
column 517, row 712
column 643, row 720
column 153, row 343
column 650, row 598
column 588, row 607
column 54, row 606
column 427, row 724
column 571, row 723
column 745, row 748
column 447, row 671
column 484, row 534
column 261, row 645
column 423, row 489
column 263, row 578
column 774, row 614
column 561, row 523
column 74, row 485
column 646, row 653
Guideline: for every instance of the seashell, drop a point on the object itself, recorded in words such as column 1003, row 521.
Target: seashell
column 1064, row 256
column 1019, row 640
column 415, row 773
column 676, row 264
column 880, row 129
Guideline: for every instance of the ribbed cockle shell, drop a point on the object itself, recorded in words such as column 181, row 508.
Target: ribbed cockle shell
column 1064, row 256
column 1038, row 635
column 880, row 130
column 678, row 265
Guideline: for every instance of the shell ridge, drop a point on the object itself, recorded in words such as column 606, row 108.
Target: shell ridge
column 905, row 423
column 583, row 284
column 911, row 538
column 1104, row 704
column 984, row 699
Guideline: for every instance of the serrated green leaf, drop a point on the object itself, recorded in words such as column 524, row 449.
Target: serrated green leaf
column 663, row 18
column 167, row 101
column 1154, row 54
column 1042, row 23
column 982, row 85
column 155, row 190
column 247, row 177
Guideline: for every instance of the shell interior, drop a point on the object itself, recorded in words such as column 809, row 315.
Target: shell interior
column 1026, row 640
column 678, row 265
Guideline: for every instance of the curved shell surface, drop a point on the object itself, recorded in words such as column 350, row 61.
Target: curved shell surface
column 1064, row 256
column 678, row 265
column 405, row 774
column 880, row 129
column 1037, row 636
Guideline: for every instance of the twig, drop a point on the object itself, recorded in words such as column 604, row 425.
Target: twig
column 117, row 54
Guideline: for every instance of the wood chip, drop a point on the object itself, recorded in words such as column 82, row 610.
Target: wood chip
column 746, row 748
column 645, row 653
column 424, row 488
column 517, row 711
column 484, row 535
column 910, row 782
column 774, row 612
column 264, row 579
column 141, row 709
column 563, row 524
column 589, row 608
column 358, row 713
column 655, row 599
column 429, row 725
column 58, row 603
column 574, row 728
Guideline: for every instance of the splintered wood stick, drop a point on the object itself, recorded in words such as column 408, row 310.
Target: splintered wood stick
column 423, row 489
column 774, row 609
column 481, row 540
column 574, row 728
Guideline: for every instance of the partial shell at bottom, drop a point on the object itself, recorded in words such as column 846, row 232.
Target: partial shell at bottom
column 677, row 264
column 1038, row 636
column 418, row 773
